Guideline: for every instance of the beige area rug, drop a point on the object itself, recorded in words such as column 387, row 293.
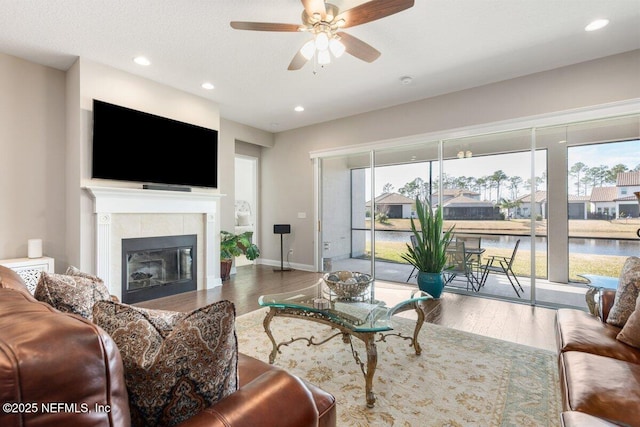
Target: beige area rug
column 460, row 379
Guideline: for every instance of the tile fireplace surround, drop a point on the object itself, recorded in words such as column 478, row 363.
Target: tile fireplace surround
column 129, row 213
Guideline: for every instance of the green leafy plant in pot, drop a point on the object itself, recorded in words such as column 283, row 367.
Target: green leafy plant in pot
column 429, row 254
column 234, row 245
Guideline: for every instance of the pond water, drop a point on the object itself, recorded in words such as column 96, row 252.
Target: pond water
column 582, row 246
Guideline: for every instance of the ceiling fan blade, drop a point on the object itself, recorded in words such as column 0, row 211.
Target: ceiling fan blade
column 264, row 26
column 372, row 10
column 358, row 48
column 297, row 62
column 314, row 6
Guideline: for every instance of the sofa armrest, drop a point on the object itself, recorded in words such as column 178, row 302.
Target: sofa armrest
column 275, row 398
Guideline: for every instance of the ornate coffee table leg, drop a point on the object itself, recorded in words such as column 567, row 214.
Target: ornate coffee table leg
column 372, row 362
column 416, row 331
column 369, row 370
column 267, row 328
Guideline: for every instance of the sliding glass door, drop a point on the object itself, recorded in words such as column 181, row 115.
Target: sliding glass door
column 400, row 175
column 546, row 206
column 603, row 177
column 491, row 196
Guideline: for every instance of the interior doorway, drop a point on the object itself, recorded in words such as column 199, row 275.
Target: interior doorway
column 246, row 199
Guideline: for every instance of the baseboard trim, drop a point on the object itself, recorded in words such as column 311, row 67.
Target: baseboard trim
column 293, row 265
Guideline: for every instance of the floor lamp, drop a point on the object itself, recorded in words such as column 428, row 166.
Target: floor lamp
column 281, row 229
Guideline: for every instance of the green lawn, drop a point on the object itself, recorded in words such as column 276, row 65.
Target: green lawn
column 603, row 265
column 622, row 228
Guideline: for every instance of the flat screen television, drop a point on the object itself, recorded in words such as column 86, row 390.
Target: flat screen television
column 130, row 145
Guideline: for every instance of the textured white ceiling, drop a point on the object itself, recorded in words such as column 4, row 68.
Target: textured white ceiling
column 445, row 45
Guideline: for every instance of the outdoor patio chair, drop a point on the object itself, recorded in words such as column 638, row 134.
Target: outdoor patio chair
column 459, row 266
column 472, row 243
column 503, row 265
column 413, row 243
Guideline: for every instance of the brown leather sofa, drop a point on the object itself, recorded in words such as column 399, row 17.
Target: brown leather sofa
column 599, row 375
column 57, row 368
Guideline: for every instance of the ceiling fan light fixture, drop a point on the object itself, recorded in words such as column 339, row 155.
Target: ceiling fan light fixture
column 340, row 23
column 336, row 47
column 324, row 57
column 308, row 49
column 322, row 41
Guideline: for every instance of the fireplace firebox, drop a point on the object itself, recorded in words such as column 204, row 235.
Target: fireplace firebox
column 155, row 267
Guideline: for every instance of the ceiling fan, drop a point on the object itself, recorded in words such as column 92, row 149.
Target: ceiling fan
column 324, row 21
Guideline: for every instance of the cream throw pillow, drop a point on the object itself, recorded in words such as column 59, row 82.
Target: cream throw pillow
column 244, row 219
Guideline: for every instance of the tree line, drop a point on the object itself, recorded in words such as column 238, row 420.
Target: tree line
column 585, row 178
column 501, row 188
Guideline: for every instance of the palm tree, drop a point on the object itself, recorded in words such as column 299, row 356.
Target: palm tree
column 510, row 204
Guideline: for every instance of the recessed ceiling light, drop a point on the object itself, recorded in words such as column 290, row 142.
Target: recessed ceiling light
column 299, row 108
column 596, row 25
column 406, row 80
column 207, row 86
column 141, row 60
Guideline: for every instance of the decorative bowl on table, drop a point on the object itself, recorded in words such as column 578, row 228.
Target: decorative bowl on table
column 348, row 284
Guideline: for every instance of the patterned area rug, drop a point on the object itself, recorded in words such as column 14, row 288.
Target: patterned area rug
column 460, row 379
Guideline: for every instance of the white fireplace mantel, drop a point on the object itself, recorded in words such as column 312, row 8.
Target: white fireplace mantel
column 109, row 200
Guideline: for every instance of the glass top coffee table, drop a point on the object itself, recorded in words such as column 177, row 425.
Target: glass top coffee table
column 364, row 317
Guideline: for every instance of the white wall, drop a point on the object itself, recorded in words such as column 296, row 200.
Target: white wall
column 287, row 165
column 97, row 81
column 230, row 134
column 32, row 162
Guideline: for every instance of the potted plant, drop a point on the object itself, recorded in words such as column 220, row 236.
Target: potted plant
column 233, row 245
column 429, row 253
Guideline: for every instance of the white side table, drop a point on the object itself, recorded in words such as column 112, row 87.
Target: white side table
column 29, row 269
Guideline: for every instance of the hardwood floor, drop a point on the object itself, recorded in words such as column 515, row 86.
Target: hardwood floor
column 519, row 323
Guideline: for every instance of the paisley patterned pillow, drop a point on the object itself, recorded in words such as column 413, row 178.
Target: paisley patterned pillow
column 71, row 293
column 75, row 271
column 630, row 334
column 176, row 364
column 628, row 289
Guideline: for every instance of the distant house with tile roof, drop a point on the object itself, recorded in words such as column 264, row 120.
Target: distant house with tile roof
column 462, row 207
column 393, row 204
column 451, row 193
column 619, row 201
column 578, row 207
column 538, row 207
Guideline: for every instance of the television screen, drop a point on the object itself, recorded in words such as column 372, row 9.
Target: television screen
column 130, row 145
